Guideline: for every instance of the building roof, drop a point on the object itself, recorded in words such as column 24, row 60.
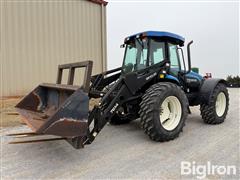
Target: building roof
column 99, row 2
column 179, row 39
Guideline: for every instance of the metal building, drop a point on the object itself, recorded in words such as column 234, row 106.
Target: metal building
column 36, row 36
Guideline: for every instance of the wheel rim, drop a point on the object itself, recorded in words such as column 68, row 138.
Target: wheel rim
column 221, row 103
column 170, row 113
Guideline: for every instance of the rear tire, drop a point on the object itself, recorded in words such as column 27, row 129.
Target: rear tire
column 216, row 110
column 163, row 111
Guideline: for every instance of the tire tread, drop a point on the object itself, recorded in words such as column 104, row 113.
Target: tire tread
column 147, row 108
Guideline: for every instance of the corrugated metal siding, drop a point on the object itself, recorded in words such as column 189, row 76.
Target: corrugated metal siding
column 36, row 36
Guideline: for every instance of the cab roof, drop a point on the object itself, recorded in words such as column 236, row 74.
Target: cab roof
column 160, row 34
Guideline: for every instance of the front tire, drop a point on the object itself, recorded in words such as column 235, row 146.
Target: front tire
column 215, row 111
column 163, row 111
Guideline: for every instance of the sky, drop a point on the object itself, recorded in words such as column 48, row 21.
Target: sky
column 213, row 26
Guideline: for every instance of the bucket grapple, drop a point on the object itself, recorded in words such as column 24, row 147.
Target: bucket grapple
column 58, row 109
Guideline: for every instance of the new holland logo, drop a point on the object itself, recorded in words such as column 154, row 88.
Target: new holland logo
column 189, row 80
column 151, row 76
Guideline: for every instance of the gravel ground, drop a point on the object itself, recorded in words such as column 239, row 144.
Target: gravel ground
column 126, row 152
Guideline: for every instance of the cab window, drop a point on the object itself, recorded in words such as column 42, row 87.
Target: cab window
column 157, row 50
column 135, row 56
column 174, row 58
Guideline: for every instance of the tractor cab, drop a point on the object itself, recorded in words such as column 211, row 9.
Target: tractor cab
column 163, row 49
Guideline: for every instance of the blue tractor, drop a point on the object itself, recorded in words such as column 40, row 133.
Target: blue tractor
column 155, row 84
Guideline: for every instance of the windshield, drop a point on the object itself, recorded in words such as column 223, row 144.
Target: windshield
column 135, row 56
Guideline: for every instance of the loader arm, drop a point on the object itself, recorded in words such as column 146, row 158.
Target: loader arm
column 121, row 92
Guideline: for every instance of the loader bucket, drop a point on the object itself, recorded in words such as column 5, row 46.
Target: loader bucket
column 57, row 109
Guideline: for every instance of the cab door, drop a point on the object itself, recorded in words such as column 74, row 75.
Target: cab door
column 175, row 65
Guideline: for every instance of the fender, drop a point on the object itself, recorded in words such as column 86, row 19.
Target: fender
column 169, row 78
column 173, row 79
column 207, row 88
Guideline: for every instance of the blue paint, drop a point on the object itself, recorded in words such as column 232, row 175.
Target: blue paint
column 190, row 75
column 168, row 76
column 160, row 34
column 194, row 75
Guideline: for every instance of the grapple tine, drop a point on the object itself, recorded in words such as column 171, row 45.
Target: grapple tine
column 36, row 140
column 22, row 134
column 31, row 135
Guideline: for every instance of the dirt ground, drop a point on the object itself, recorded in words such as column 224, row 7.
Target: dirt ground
column 125, row 152
column 9, row 117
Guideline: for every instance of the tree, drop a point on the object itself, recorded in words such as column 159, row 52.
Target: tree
column 233, row 81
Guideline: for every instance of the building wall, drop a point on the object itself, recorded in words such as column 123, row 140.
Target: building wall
column 36, row 36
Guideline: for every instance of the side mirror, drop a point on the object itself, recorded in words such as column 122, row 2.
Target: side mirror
column 122, row 46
